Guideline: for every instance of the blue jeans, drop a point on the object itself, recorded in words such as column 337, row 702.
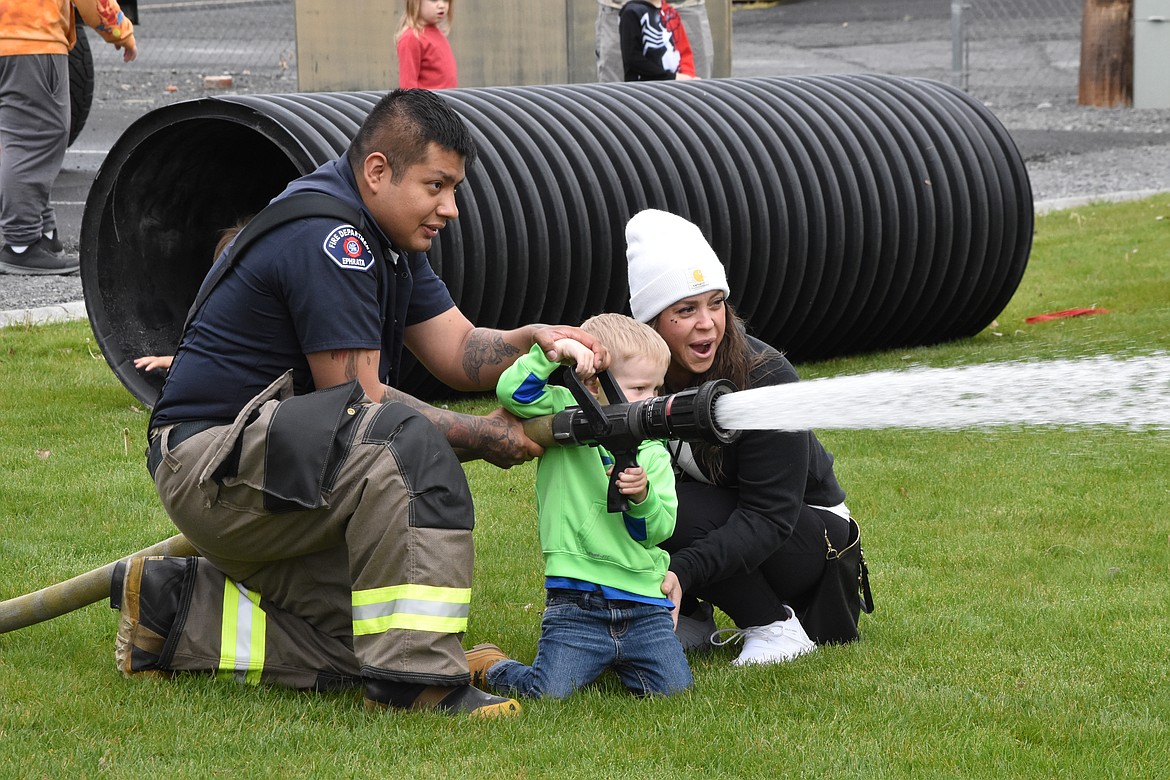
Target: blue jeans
column 582, row 634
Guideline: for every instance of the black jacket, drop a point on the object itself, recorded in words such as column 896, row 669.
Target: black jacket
column 775, row 473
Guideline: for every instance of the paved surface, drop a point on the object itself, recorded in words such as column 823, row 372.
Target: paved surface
column 1073, row 154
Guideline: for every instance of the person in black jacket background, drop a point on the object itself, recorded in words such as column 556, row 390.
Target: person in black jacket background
column 649, row 52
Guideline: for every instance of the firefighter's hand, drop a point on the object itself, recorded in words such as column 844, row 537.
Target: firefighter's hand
column 502, row 440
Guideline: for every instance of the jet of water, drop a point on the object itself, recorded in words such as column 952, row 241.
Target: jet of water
column 1131, row 393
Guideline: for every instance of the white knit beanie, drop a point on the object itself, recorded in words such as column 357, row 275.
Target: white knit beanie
column 668, row 260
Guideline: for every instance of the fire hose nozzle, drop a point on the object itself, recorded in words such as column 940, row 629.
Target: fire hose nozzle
column 621, row 426
column 688, row 415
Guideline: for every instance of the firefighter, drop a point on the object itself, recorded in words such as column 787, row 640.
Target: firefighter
column 332, row 515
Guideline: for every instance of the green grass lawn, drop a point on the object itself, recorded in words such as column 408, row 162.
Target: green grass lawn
column 1022, row 581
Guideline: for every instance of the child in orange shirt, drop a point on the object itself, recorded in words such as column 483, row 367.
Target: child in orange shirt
column 35, row 39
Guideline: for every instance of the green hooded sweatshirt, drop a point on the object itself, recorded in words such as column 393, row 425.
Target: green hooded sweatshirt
column 579, row 536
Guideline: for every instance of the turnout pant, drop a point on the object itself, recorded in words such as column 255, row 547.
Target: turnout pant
column 336, row 537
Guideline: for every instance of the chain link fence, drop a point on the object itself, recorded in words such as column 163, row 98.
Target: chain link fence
column 187, row 40
column 1007, row 51
column 1002, row 51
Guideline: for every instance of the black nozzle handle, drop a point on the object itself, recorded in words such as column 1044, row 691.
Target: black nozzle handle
column 624, row 457
column 588, row 405
column 620, row 444
column 622, row 460
column 609, row 386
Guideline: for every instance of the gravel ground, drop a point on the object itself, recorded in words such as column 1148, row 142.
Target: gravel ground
column 1076, row 151
column 1071, row 152
column 18, row 293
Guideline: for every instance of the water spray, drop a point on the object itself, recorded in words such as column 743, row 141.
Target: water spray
column 1131, row 393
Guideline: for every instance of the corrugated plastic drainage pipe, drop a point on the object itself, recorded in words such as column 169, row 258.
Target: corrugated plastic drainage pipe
column 853, row 213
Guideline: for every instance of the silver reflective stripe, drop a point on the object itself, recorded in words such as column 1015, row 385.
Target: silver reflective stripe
column 242, row 636
column 412, row 607
column 840, row 509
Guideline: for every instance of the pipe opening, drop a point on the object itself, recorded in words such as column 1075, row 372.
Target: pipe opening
column 173, row 195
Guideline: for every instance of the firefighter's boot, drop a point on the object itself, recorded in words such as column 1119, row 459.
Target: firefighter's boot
column 149, row 593
column 458, row 700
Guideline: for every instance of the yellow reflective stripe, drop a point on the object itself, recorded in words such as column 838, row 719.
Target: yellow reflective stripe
column 410, row 607
column 420, row 592
column 384, row 623
column 242, row 635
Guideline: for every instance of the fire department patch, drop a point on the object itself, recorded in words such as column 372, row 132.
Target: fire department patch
column 348, row 248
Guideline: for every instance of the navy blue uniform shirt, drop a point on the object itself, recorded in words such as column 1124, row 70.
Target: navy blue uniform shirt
column 311, row 285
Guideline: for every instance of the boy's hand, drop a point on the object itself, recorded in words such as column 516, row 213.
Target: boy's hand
column 153, row 362
column 633, row 484
column 547, row 336
column 572, row 351
column 672, row 589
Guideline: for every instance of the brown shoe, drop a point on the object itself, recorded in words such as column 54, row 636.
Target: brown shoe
column 459, row 700
column 481, row 658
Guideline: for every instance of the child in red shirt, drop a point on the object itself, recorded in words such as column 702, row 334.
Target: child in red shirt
column 425, row 58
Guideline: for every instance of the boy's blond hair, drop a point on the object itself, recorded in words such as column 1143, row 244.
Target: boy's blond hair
column 627, row 338
column 412, row 18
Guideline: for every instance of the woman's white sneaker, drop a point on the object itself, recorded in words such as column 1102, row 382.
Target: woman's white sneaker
column 774, row 643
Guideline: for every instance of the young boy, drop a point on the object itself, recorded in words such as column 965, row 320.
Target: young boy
column 603, row 571
column 649, row 49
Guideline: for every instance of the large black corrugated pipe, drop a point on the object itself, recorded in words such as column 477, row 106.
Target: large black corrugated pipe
column 853, row 213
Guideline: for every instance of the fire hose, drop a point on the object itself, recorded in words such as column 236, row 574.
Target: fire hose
column 82, row 590
column 620, row 427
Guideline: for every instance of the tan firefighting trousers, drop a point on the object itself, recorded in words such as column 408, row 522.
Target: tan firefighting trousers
column 339, row 547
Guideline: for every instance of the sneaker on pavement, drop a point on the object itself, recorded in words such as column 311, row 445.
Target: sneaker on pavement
column 458, row 700
column 481, row 658
column 774, row 643
column 695, row 630
column 53, row 243
column 36, row 261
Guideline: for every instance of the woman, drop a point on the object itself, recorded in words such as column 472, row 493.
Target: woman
column 753, row 515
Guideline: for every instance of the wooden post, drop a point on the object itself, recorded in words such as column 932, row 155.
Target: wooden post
column 1106, row 77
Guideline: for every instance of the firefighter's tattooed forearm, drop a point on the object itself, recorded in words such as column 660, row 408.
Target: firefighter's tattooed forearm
column 486, row 348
